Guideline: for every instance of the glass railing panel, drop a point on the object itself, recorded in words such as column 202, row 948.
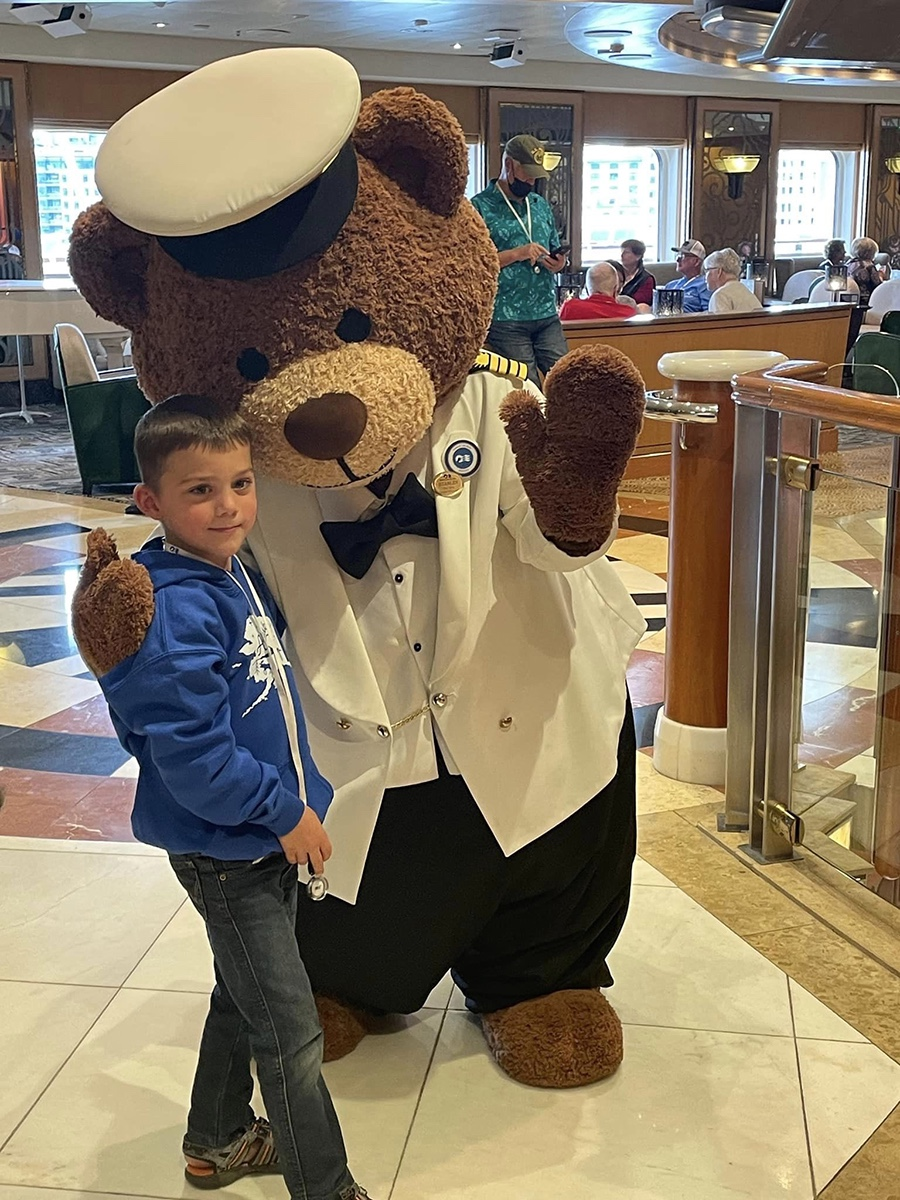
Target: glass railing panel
column 843, row 621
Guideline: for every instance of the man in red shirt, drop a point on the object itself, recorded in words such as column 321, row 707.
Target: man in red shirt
column 603, row 285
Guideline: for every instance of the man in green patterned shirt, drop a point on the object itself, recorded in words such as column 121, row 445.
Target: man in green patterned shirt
column 525, row 325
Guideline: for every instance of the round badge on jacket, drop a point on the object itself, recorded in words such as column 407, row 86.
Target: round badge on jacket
column 462, row 457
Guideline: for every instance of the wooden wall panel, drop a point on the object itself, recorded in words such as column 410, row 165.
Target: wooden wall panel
column 613, row 115
column 812, row 123
column 90, row 95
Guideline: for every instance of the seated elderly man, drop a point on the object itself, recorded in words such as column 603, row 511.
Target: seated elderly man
column 690, row 281
column 723, row 274
column 602, row 303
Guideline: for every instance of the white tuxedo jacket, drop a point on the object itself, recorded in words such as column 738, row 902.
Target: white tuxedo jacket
column 530, row 657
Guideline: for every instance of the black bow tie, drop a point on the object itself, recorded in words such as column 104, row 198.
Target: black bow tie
column 355, row 544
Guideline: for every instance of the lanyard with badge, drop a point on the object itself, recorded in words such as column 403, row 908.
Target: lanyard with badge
column 526, row 229
column 317, row 886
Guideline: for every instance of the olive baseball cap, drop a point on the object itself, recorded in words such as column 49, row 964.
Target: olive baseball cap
column 531, row 156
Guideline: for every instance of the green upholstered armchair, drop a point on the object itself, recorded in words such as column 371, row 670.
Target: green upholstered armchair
column 876, row 363
column 102, row 413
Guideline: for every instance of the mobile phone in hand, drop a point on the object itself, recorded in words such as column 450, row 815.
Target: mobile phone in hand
column 560, row 250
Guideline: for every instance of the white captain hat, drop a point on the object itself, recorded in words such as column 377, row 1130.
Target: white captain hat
column 244, row 167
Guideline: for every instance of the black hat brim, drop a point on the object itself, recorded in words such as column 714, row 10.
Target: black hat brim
column 299, row 227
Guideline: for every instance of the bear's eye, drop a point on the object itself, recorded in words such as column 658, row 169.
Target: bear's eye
column 354, row 326
column 253, row 364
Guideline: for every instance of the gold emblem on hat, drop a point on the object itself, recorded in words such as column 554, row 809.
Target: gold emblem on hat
column 447, row 484
column 546, row 158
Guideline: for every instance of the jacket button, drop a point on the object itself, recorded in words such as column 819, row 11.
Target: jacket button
column 344, row 724
column 506, row 723
column 439, row 700
column 383, row 731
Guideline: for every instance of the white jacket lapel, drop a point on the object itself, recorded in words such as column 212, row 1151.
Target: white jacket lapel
column 311, row 594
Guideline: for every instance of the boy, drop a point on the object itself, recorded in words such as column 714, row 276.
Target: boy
column 227, row 786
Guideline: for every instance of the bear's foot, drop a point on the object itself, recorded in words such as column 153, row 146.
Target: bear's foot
column 344, row 1026
column 563, row 1040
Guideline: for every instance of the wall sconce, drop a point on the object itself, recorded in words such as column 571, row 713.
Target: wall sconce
column 735, row 165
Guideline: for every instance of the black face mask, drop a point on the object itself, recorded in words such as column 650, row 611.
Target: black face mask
column 520, row 188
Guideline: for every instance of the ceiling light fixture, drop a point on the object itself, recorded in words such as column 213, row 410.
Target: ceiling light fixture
column 607, row 33
column 160, row 24
column 457, row 45
column 622, row 57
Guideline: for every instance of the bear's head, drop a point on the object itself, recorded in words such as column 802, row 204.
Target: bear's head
column 339, row 360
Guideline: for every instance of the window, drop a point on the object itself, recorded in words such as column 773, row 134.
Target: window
column 827, row 180
column 475, row 183
column 64, row 161
column 629, row 192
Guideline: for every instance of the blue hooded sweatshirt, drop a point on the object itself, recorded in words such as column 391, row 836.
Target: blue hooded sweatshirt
column 198, row 708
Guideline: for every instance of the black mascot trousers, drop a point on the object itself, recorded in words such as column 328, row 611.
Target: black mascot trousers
column 439, row 893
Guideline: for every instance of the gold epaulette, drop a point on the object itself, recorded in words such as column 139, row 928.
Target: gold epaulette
column 487, row 360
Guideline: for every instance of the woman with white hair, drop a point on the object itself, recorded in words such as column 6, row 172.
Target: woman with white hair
column 862, row 267
column 723, row 274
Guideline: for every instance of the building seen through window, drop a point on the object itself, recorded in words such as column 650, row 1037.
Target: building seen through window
column 620, row 199
column 805, row 205
column 64, row 164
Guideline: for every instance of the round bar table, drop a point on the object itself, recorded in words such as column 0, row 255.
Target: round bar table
column 690, row 740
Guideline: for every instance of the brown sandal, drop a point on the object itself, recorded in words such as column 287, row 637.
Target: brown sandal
column 252, row 1153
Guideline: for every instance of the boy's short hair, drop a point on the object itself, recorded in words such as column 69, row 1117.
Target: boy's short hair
column 184, row 422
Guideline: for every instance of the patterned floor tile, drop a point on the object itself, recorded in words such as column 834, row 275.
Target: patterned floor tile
column 34, row 800
column 869, row 569
column 88, row 717
column 646, row 678
column 838, row 727
column 844, row 616
column 36, row 533
column 645, row 724
column 28, row 694
column 104, row 814
column 34, row 646
column 40, row 749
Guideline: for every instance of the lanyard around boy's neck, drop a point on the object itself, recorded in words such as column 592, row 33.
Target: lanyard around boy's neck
column 526, row 229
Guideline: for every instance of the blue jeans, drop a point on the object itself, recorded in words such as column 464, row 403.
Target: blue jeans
column 538, row 344
column 262, row 1008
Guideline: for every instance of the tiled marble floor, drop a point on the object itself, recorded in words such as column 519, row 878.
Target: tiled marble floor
column 736, row 1081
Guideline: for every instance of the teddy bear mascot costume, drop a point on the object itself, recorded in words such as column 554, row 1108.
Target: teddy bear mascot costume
column 432, row 528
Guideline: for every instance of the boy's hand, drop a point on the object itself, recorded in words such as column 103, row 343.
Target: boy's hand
column 307, row 842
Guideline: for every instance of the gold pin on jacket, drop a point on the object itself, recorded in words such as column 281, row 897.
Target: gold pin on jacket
column 447, row 484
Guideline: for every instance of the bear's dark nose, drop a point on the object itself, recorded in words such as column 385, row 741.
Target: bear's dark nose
column 327, row 426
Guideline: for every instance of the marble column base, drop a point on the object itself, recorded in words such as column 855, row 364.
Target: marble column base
column 689, row 753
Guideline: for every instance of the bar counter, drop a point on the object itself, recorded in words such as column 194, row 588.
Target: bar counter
column 816, row 332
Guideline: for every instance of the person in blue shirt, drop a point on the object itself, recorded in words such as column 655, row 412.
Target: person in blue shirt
column 227, row 786
column 691, row 281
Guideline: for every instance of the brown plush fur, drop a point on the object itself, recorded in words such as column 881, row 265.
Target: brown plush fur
column 563, row 1040
column 572, row 454
column 112, row 607
column 416, row 258
column 343, row 1025
column 427, row 282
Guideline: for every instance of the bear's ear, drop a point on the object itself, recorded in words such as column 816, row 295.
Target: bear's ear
column 108, row 261
column 417, row 142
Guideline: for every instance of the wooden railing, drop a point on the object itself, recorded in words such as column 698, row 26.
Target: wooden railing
column 795, row 387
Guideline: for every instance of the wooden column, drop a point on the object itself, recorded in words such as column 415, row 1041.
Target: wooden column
column 699, row 562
